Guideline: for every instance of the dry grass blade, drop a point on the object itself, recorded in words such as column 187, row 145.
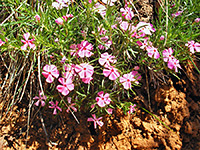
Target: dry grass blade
column 13, row 99
column 30, row 105
column 6, row 79
column 148, row 93
column 4, row 62
column 49, row 142
column 138, row 15
column 39, row 78
column 70, row 110
column 29, row 73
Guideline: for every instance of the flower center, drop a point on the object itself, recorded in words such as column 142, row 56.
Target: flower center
column 84, row 68
column 49, row 72
column 128, row 80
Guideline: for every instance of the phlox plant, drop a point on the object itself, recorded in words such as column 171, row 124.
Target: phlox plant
column 94, row 55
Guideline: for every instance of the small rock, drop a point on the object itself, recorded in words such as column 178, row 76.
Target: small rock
column 188, row 128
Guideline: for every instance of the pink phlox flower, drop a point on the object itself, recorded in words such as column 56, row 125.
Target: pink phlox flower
column 52, row 56
column 119, row 20
column 60, row 4
column 90, row 1
column 177, row 14
column 66, row 86
column 107, row 44
column 102, row 31
column 143, row 45
column 1, row 42
column 152, row 51
column 111, row 72
column 56, row 40
column 124, row 25
column 73, row 50
column 93, row 105
column 131, row 109
column 110, row 111
column 126, row 80
column 50, row 71
column 59, row 21
column 96, row 121
column 114, row 26
column 84, row 34
column 167, row 54
column 40, row 99
column 84, row 49
column 162, row 37
column 172, row 5
column 104, row 39
column 106, row 59
column 27, row 42
column 63, row 59
column 109, row 2
column 87, row 80
column 136, row 68
column 67, row 16
column 197, row 20
column 132, row 29
column 137, row 76
column 174, row 64
column 145, row 28
column 55, row 107
column 138, row 35
column 70, row 105
column 103, row 100
column 70, row 70
column 37, row 18
column 84, row 70
column 100, row 46
column 193, row 46
column 101, row 9
column 127, row 13
column 106, row 47
column 126, row 3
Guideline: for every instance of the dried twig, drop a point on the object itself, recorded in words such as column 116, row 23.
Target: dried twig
column 29, row 109
column 29, row 73
column 70, row 110
column 49, row 142
column 148, row 93
column 135, row 10
column 39, row 78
